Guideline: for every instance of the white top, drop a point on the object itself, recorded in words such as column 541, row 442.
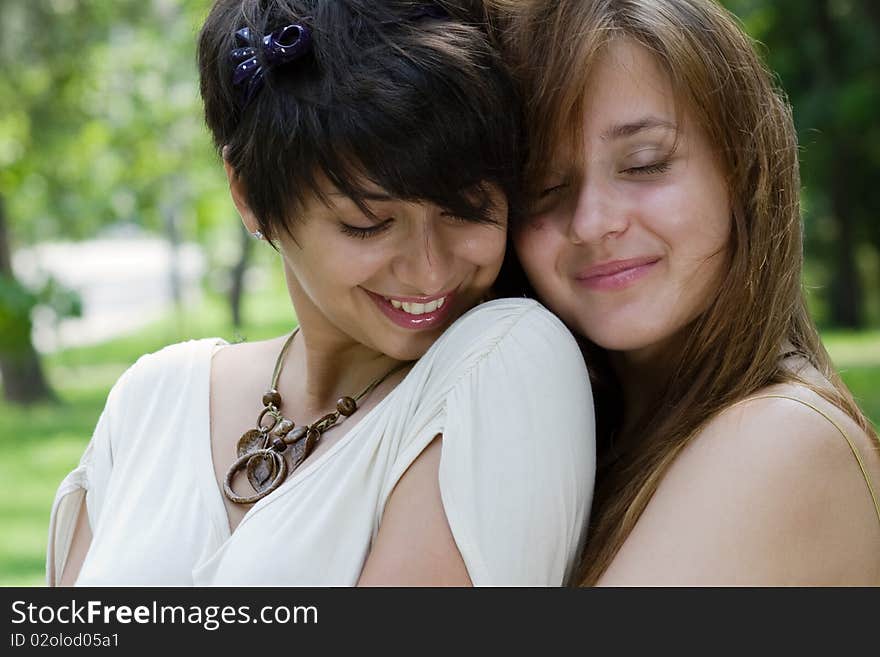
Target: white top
column 506, row 386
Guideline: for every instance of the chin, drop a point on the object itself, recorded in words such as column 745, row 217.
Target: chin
column 409, row 349
column 616, row 343
column 620, row 338
column 642, row 343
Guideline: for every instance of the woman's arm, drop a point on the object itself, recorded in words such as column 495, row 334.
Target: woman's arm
column 768, row 494
column 70, row 534
column 79, row 546
column 414, row 545
column 508, row 501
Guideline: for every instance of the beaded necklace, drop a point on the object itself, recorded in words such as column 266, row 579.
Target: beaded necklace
column 260, row 451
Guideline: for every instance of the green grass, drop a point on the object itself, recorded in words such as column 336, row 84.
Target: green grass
column 857, row 358
column 41, row 444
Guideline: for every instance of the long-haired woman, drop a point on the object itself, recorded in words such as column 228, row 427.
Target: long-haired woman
column 665, row 230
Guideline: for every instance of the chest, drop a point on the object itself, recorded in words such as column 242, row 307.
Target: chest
column 235, row 408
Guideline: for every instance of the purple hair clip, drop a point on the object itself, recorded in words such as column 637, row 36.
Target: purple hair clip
column 284, row 45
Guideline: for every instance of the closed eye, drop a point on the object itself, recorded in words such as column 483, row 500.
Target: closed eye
column 655, row 168
column 552, row 190
column 363, row 233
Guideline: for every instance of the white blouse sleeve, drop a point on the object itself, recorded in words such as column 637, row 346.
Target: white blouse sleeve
column 518, row 455
column 87, row 483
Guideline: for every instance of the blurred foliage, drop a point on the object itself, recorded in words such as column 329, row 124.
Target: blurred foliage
column 17, row 302
column 100, row 124
column 100, row 119
column 826, row 54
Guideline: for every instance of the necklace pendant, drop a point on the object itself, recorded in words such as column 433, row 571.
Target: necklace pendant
column 251, row 441
column 303, row 448
column 266, row 468
column 262, row 469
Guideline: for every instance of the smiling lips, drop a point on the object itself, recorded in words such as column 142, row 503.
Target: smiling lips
column 415, row 312
column 617, row 274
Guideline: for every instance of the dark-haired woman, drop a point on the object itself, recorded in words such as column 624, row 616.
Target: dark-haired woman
column 665, row 230
column 398, row 436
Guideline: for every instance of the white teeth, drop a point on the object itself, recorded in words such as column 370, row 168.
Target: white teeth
column 417, row 308
column 433, row 305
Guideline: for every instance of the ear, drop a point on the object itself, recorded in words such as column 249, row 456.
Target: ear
column 237, row 189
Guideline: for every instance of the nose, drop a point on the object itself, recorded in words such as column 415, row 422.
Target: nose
column 598, row 214
column 425, row 260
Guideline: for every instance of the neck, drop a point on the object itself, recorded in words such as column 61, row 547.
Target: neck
column 640, row 386
column 330, row 367
column 643, row 374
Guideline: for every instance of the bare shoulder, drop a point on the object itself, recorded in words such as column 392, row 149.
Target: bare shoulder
column 240, row 373
column 245, row 359
column 769, row 492
column 237, row 352
column 789, row 428
column 788, row 417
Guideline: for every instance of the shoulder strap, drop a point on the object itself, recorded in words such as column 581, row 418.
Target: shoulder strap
column 849, row 442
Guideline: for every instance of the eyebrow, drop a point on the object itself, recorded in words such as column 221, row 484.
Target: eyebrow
column 620, row 130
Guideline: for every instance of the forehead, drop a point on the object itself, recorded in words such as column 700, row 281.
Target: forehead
column 627, row 92
column 326, row 192
column 626, row 86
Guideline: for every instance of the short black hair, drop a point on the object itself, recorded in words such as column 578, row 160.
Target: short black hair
column 422, row 107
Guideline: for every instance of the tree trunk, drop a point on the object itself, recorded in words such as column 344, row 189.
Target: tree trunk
column 846, row 286
column 236, row 288
column 23, row 380
column 847, row 298
column 846, row 303
column 20, row 369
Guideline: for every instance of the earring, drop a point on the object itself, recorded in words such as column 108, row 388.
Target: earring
column 257, row 235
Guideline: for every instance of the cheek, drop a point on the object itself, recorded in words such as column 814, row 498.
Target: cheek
column 354, row 261
column 329, row 270
column 697, row 232
column 703, row 206
column 537, row 250
column 667, row 211
column 704, row 233
column 692, row 218
column 483, row 247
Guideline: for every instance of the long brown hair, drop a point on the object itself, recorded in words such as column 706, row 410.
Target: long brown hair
column 733, row 349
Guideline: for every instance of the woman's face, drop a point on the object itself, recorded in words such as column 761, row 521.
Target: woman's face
column 392, row 283
column 628, row 247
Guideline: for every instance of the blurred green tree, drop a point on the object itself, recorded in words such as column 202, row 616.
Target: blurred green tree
column 100, row 122
column 827, row 56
